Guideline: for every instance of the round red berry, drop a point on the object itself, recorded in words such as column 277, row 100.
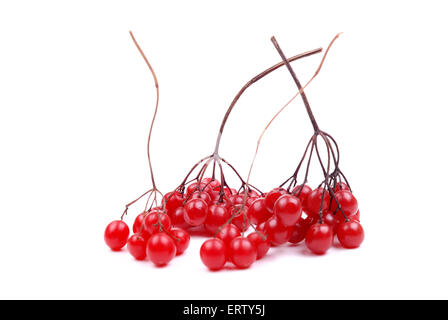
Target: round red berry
column 319, row 238
column 160, row 249
column 213, row 254
column 242, row 252
column 116, row 234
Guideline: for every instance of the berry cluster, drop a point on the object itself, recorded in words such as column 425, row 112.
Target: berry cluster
column 289, row 213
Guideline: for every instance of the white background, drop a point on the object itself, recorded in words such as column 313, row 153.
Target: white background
column 75, row 105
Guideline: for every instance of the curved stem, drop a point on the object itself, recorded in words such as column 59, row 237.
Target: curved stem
column 156, row 83
column 299, row 86
column 252, row 81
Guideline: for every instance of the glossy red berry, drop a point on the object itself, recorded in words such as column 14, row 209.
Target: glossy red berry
column 240, row 217
column 242, row 252
column 348, row 203
column 116, row 234
column 319, row 238
column 161, row 248
column 217, row 216
column 288, row 210
column 302, row 192
column 181, row 239
column 157, row 221
column 213, row 254
column 195, row 212
column 272, row 196
column 137, row 226
column 350, row 234
column 298, row 233
column 277, row 233
column 201, row 195
column 261, row 245
column 257, row 212
column 178, row 218
column 356, row 216
column 173, row 200
column 228, row 233
column 341, row 186
column 314, row 201
column 137, row 247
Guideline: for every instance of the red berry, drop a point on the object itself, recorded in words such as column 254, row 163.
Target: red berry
column 217, row 216
column 213, row 254
column 356, row 216
column 261, row 245
column 182, row 239
column 288, row 210
column 314, row 201
column 237, row 199
column 242, row 252
column 299, row 231
column 153, row 225
column 137, row 227
column 137, row 247
column 160, row 249
column 173, row 200
column 257, row 212
column 272, row 196
column 196, row 212
column 178, row 218
column 228, row 233
column 348, row 202
column 201, row 195
column 302, row 191
column 350, row 234
column 116, row 234
column 277, row 233
column 341, row 186
column 319, row 238
column 330, row 219
column 240, row 217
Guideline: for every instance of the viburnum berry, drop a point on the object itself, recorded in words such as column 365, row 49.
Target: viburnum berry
column 138, row 228
column 195, row 212
column 356, row 216
column 161, row 249
column 173, row 200
column 319, row 238
column 347, row 201
column 240, row 217
column 137, row 247
column 214, row 253
column 299, row 231
column 314, row 201
column 217, row 216
column 228, row 233
column 272, row 196
column 330, row 219
column 257, row 212
column 242, row 252
column 116, row 234
column 201, row 195
column 277, row 233
column 178, row 218
column 302, row 192
column 288, row 210
column 181, row 239
column 350, row 234
column 157, row 221
column 341, row 186
column 261, row 245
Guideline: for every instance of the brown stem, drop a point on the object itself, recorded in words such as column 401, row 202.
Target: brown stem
column 299, row 86
column 251, row 82
column 156, row 83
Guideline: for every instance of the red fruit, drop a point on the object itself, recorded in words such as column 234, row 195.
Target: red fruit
column 237, row 199
column 240, row 218
column 277, row 233
column 356, row 216
column 302, row 192
column 116, row 234
column 213, row 254
column 152, row 223
column 137, row 226
column 173, row 200
column 314, row 200
column 348, row 202
column 242, row 252
column 341, row 186
column 194, row 187
column 261, row 245
column 319, row 238
column 137, row 247
column 201, row 195
column 228, row 233
column 330, row 219
column 195, row 212
column 160, row 249
column 217, row 216
column 257, row 212
column 288, row 210
column 178, row 218
column 212, row 183
column 272, row 196
column 350, row 234
column 182, row 239
column 299, row 231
